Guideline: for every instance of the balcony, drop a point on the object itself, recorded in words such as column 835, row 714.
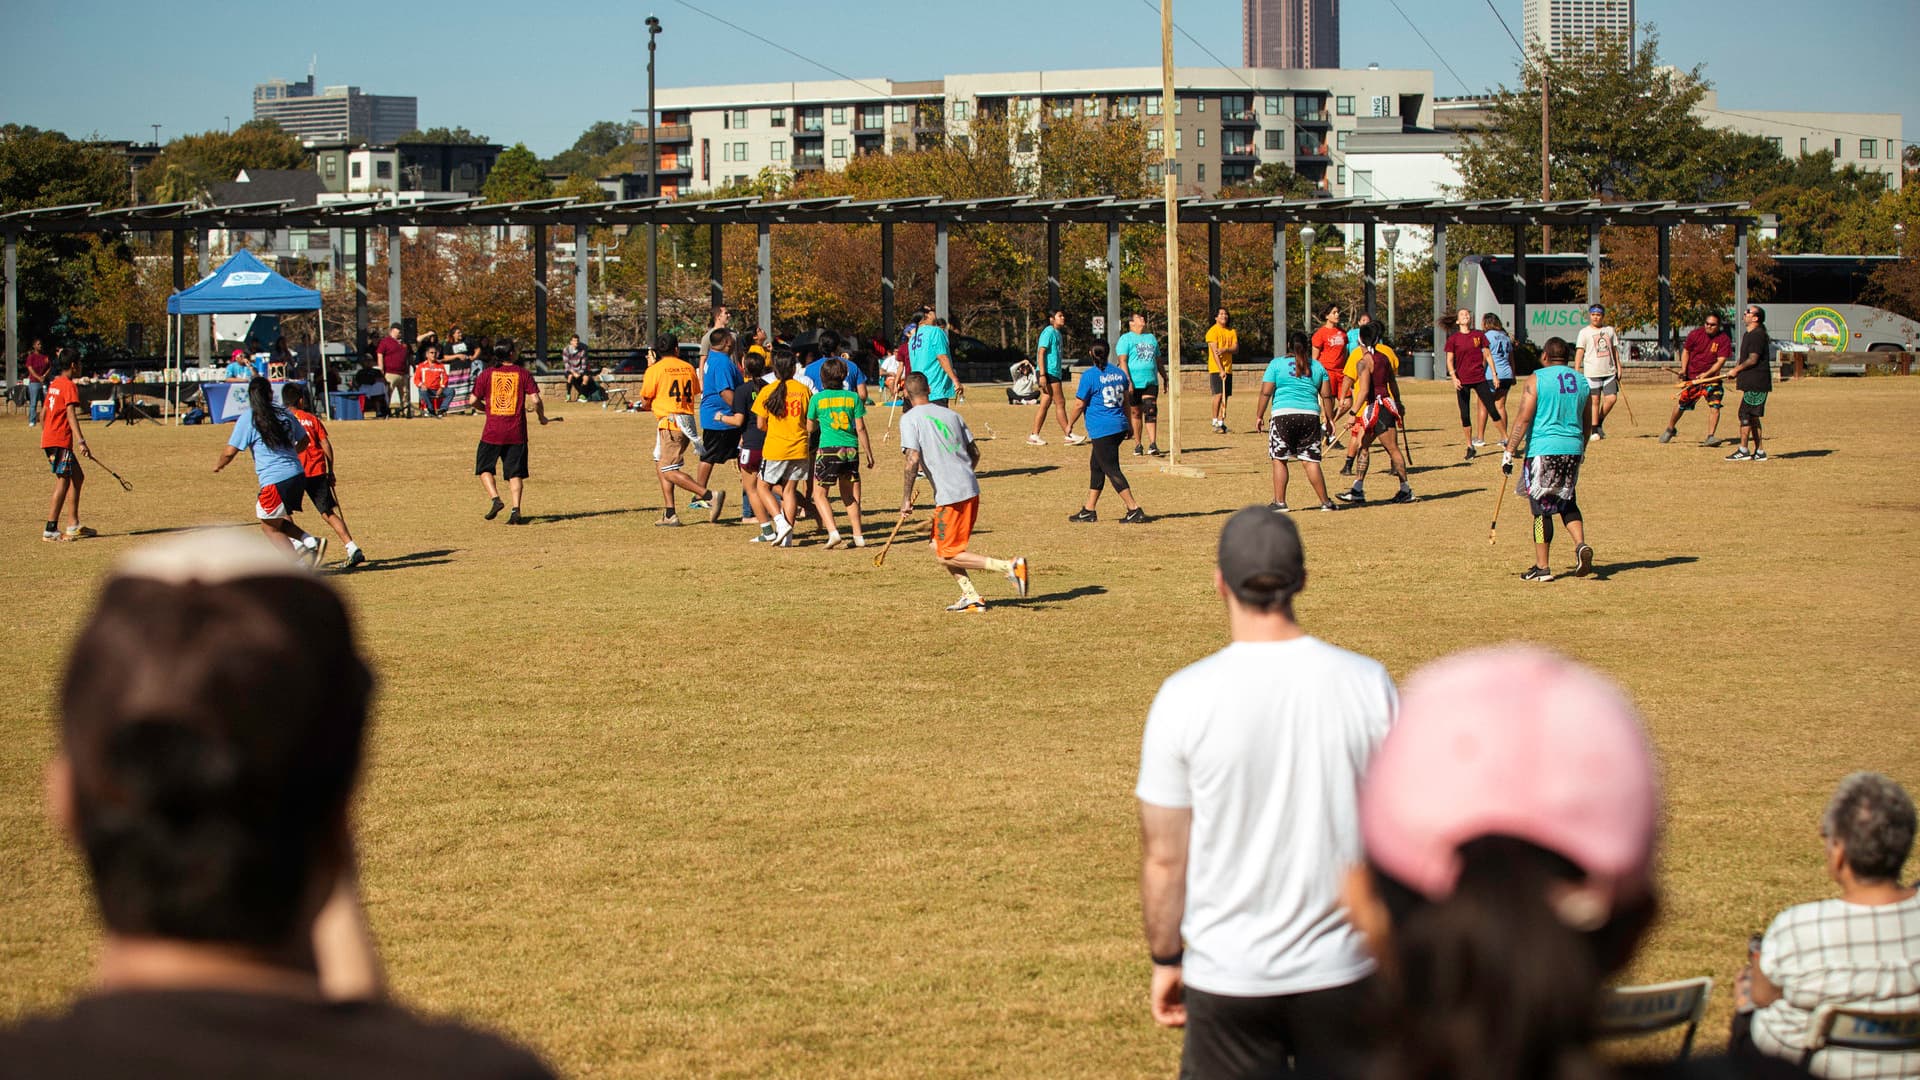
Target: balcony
column 816, row 130
column 809, row 162
column 1315, row 152
column 1239, row 118
column 1237, row 151
column 676, row 166
column 869, row 125
column 1316, row 117
column 668, row 133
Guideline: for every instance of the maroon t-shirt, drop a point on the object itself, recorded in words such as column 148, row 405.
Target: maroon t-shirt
column 503, row 393
column 1702, row 350
column 393, row 356
column 38, row 366
column 1469, row 351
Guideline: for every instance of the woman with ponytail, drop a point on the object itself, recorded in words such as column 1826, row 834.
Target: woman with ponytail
column 275, row 439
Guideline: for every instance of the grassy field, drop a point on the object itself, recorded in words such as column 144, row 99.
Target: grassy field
column 662, row 803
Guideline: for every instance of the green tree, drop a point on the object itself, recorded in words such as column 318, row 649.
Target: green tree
column 599, row 150
column 456, row 136
column 516, row 177
column 580, row 189
column 1277, row 178
column 190, row 164
column 45, row 168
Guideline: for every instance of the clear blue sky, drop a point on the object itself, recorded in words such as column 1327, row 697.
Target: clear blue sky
column 539, row 73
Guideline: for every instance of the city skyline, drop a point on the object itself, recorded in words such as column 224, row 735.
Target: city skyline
column 555, row 81
column 1290, row 33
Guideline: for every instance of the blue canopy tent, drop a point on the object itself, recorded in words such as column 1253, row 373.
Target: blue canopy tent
column 243, row 285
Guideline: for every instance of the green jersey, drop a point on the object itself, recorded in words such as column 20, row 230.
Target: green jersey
column 835, row 411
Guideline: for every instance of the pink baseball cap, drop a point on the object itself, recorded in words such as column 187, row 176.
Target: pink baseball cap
column 1514, row 741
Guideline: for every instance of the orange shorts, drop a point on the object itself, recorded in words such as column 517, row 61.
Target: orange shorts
column 953, row 527
column 1338, row 385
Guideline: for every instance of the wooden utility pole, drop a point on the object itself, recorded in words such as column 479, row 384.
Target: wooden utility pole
column 1171, row 191
column 1546, row 143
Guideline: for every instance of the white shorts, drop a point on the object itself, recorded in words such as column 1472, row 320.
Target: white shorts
column 1606, row 385
column 779, row 472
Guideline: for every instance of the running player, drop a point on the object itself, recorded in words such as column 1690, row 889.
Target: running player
column 1703, row 355
column 932, row 356
column 1378, row 411
column 316, row 462
column 1597, row 354
column 59, row 431
column 1050, row 357
column 758, row 502
column 782, row 415
column 275, row 440
column 1141, row 352
column 1330, row 349
column 837, row 418
column 670, row 388
column 938, row 438
column 1223, row 342
column 1467, row 367
column 503, row 389
column 1753, row 377
column 1554, row 423
column 1298, row 388
column 722, row 412
column 1352, row 373
column 1102, row 399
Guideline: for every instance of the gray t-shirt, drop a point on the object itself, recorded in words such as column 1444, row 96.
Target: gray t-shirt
column 942, row 437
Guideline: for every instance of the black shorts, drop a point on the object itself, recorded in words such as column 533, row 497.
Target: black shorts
column 512, row 458
column 719, row 445
column 1752, row 410
column 1294, row 437
column 61, row 460
column 1320, row 1033
column 1220, row 383
column 320, row 490
column 836, row 463
column 1142, row 396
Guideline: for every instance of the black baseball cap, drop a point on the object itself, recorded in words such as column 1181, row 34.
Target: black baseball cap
column 1261, row 559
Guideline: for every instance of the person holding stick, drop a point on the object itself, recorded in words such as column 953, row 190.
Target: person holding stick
column 1597, row 354
column 59, row 432
column 1378, row 411
column 1706, row 350
column 1223, row 342
column 937, row 438
column 1553, row 422
column 275, row 439
column 1753, row 377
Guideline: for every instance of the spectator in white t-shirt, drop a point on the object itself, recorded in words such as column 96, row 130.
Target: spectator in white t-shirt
column 1862, row 949
column 1249, row 777
column 1596, row 352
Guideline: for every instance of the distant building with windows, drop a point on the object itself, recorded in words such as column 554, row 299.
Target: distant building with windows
column 1228, row 121
column 1290, row 33
column 350, row 166
column 334, row 112
column 1565, row 27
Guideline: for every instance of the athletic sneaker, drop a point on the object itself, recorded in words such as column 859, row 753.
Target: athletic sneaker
column 51, row 536
column 1537, row 573
column 1035, row 440
column 1600, row 431
column 356, row 558
column 671, row 521
column 80, row 532
column 1135, row 516
column 717, row 501
column 1328, row 507
column 1404, row 495
column 494, row 510
column 969, row 603
column 782, row 537
column 1346, row 467
column 514, row 518
column 1017, row 573
column 1083, row 514
column 1710, row 442
column 859, row 541
column 1076, row 439
column 1278, row 508
column 1138, row 450
column 1596, row 436
column 699, row 502
column 1667, row 435
column 1739, row 455
column 1469, row 456
column 1354, row 496
column 760, row 538
column 1582, row 561
column 1153, row 449
column 834, row 540
column 1478, row 443
column 1758, row 455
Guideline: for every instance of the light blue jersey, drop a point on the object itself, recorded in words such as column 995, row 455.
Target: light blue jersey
column 929, row 344
column 1294, row 392
column 1142, row 353
column 1559, row 402
column 1050, row 345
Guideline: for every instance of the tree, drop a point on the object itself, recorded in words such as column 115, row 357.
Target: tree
column 580, row 189
column 191, row 164
column 1277, row 178
column 45, row 168
column 455, row 136
column 1700, row 281
column 516, row 177
column 599, row 150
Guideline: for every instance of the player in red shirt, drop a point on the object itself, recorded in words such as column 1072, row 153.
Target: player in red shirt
column 501, row 392
column 1703, row 356
column 1330, row 348
column 430, row 376
column 59, row 432
column 1468, row 367
column 316, row 461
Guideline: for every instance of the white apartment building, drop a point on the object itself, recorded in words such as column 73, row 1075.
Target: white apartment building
column 1564, row 27
column 1228, row 121
column 1871, row 141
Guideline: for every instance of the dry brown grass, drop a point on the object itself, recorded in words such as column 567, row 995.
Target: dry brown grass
column 661, row 803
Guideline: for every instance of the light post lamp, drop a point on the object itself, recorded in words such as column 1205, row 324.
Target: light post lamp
column 1392, row 236
column 653, row 189
column 1306, row 253
column 1900, row 238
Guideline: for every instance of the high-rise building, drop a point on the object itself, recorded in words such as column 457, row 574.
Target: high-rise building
column 1571, row 26
column 1290, row 33
column 335, row 112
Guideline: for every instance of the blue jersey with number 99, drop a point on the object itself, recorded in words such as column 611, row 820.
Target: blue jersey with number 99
column 1104, row 389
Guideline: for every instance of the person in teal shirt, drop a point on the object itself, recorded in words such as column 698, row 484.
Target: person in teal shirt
column 837, row 419
column 1050, row 357
column 1141, row 352
column 931, row 355
column 1302, row 408
column 1554, row 421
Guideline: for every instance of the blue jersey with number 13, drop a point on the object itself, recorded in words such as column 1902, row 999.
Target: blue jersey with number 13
column 1559, row 400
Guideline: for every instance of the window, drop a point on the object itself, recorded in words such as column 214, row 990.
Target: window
column 739, row 151
column 1803, row 148
column 1155, row 174
column 1235, row 174
column 1176, row 172
column 466, row 170
column 777, row 150
column 706, row 161
column 1023, row 142
column 1200, row 173
column 1152, row 103
column 870, row 117
column 1867, row 147
column 736, row 119
column 1276, row 139
column 1236, row 142
column 899, row 114
column 1276, row 105
column 1179, row 106
column 1127, row 106
column 1023, row 106
column 960, row 142
column 899, row 144
column 1179, row 138
column 1199, row 104
column 960, row 110
column 1200, row 135
column 1156, row 139
column 1236, row 107
column 356, row 170
column 778, row 118
column 1343, row 105
column 839, row 148
column 1836, row 148
column 1340, row 174
column 1340, row 140
column 333, row 166
column 726, row 151
column 1893, row 150
column 1091, row 110
column 1062, row 108
column 839, row 114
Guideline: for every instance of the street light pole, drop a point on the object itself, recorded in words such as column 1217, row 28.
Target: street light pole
column 1392, row 236
column 653, row 190
column 1306, row 253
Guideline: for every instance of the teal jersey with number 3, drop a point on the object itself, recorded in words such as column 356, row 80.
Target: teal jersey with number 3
column 1559, row 401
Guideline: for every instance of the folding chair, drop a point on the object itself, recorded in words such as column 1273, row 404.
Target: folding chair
column 1631, row 1011
column 1842, row 1027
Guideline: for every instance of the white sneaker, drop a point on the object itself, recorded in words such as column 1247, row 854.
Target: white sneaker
column 1478, row 443
column 1035, row 440
column 1076, row 439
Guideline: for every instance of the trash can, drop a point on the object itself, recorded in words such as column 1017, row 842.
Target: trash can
column 1423, row 365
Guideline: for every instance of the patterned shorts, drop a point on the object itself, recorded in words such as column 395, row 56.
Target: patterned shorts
column 1294, row 437
column 1550, row 483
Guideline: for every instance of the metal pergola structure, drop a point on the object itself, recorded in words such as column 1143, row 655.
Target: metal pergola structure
column 544, row 215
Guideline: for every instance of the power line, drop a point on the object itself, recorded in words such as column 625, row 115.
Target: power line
column 1809, row 127
column 1508, row 29
column 797, row 56
column 1428, row 42
column 1151, row 6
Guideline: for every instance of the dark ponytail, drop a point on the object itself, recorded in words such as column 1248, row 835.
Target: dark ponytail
column 1102, row 354
column 266, row 415
column 782, row 372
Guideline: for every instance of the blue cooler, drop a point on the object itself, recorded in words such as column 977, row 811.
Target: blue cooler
column 102, row 410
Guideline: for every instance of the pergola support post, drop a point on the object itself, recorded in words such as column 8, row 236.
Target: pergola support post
column 1739, row 268
column 1440, row 298
column 1370, row 256
column 1113, row 282
column 940, row 271
column 11, row 267
column 887, row 297
column 716, row 274
column 1519, row 329
column 1593, row 265
column 763, row 269
column 1666, row 293
column 580, row 308
column 359, row 294
column 1279, row 287
column 540, row 292
column 1213, row 270
column 1053, row 267
column 205, row 322
column 393, row 276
